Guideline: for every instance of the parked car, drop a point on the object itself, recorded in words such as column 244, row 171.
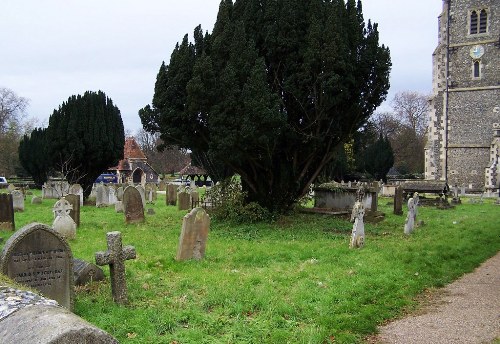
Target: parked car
column 107, row 178
column 3, row 182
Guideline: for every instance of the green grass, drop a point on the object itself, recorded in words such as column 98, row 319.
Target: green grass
column 293, row 281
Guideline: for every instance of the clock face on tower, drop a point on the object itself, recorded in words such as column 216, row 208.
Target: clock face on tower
column 476, row 51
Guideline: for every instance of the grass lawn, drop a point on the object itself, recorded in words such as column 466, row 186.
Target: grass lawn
column 292, row 281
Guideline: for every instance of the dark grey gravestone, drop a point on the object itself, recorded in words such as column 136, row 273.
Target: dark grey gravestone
column 40, row 258
column 132, row 205
column 74, row 200
column 6, row 212
column 183, row 201
column 85, row 272
column 398, row 200
column 171, row 194
column 115, row 257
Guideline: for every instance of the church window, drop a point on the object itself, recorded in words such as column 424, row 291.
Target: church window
column 477, row 69
column 473, row 23
column 482, row 21
column 478, row 21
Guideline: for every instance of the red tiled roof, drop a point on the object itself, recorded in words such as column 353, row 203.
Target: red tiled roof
column 132, row 150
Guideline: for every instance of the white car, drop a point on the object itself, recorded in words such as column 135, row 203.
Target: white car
column 3, row 182
column 179, row 181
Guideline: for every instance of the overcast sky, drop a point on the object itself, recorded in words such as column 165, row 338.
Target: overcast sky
column 53, row 49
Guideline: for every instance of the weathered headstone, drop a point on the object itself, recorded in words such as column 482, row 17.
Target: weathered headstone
column 115, row 257
column 6, row 212
column 101, row 196
column 76, row 189
column 132, row 205
column 410, row 217
column 40, row 258
column 63, row 223
column 119, row 193
column 36, row 200
column 142, row 192
column 183, row 201
column 85, row 272
column 119, row 207
column 151, row 211
column 195, row 199
column 17, row 200
column 74, row 201
column 111, row 195
column 171, row 194
column 358, row 227
column 193, row 239
column 162, row 186
column 11, row 187
column 398, row 200
column 416, row 201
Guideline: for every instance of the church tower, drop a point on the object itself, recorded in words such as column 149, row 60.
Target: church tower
column 463, row 143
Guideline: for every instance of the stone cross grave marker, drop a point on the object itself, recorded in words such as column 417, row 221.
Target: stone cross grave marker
column 17, row 200
column 74, row 201
column 132, row 205
column 6, row 212
column 398, row 200
column 115, row 257
column 193, row 239
column 40, row 258
column 184, row 201
column 410, row 217
column 171, row 194
column 63, row 223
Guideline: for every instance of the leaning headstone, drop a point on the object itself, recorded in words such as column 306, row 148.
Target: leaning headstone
column 358, row 227
column 171, row 194
column 410, row 217
column 36, row 200
column 17, row 200
column 63, row 223
column 85, row 272
column 101, row 196
column 74, row 201
column 6, row 212
column 398, row 200
column 193, row 239
column 115, row 257
column 40, row 258
column 184, row 201
column 132, row 205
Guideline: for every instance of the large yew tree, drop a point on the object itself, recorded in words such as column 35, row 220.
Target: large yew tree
column 272, row 91
column 85, row 137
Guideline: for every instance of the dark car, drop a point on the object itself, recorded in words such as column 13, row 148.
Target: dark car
column 107, row 178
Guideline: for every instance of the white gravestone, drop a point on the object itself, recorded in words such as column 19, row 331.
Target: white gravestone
column 410, row 217
column 358, row 227
column 64, row 223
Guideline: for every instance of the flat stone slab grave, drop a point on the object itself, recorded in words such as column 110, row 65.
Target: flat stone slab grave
column 38, row 257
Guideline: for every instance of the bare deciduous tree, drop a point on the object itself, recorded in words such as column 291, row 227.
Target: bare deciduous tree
column 411, row 108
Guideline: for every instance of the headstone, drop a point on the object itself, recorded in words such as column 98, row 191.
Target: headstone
column 76, row 189
column 6, row 212
column 119, row 193
column 398, row 200
column 462, row 190
column 111, row 195
column 151, row 211
column 358, row 227
column 416, row 201
column 40, row 258
column 132, row 205
column 171, row 194
column 85, row 272
column 410, row 217
column 142, row 192
column 17, row 200
column 184, row 201
column 195, row 199
column 11, row 187
column 101, row 196
column 36, row 200
column 74, row 201
column 162, row 186
column 115, row 257
column 63, row 223
column 119, row 207
column 193, row 239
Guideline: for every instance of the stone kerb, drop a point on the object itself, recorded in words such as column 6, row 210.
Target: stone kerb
column 40, row 258
column 28, row 318
column 193, row 238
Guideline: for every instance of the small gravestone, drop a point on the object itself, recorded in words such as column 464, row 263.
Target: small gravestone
column 36, row 200
column 195, row 199
column 63, row 223
column 162, row 186
column 132, row 205
column 6, row 212
column 142, row 192
column 101, row 196
column 115, row 257
column 151, row 211
column 76, row 189
column 193, row 239
column 119, row 193
column 17, row 200
column 398, row 200
column 171, row 194
column 74, row 201
column 85, row 272
column 40, row 258
column 358, row 227
column 183, row 201
column 410, row 217
column 119, row 207
column 11, row 187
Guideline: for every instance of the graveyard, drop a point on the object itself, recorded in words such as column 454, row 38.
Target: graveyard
column 295, row 279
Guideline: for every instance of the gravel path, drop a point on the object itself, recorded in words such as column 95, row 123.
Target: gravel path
column 465, row 311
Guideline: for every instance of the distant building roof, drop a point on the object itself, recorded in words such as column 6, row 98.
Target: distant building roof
column 131, row 150
column 190, row 170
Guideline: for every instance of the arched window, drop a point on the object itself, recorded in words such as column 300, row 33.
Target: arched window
column 473, row 22
column 478, row 21
column 483, row 17
column 477, row 69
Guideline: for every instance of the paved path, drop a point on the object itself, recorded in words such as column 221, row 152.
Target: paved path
column 466, row 311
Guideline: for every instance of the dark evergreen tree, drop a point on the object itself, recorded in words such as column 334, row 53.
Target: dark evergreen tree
column 379, row 158
column 85, row 137
column 33, row 155
column 272, row 91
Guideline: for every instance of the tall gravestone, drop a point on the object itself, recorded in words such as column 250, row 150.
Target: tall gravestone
column 183, row 201
column 101, row 196
column 193, row 239
column 40, row 258
column 6, row 212
column 171, row 194
column 76, row 189
column 410, row 217
column 398, row 200
column 132, row 205
column 142, row 192
column 74, row 200
column 17, row 200
column 358, row 227
column 162, row 186
column 111, row 195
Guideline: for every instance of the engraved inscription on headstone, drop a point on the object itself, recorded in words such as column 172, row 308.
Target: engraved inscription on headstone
column 40, row 258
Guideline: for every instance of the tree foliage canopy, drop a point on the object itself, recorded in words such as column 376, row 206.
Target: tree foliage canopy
column 85, row 137
column 272, row 91
column 33, row 155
